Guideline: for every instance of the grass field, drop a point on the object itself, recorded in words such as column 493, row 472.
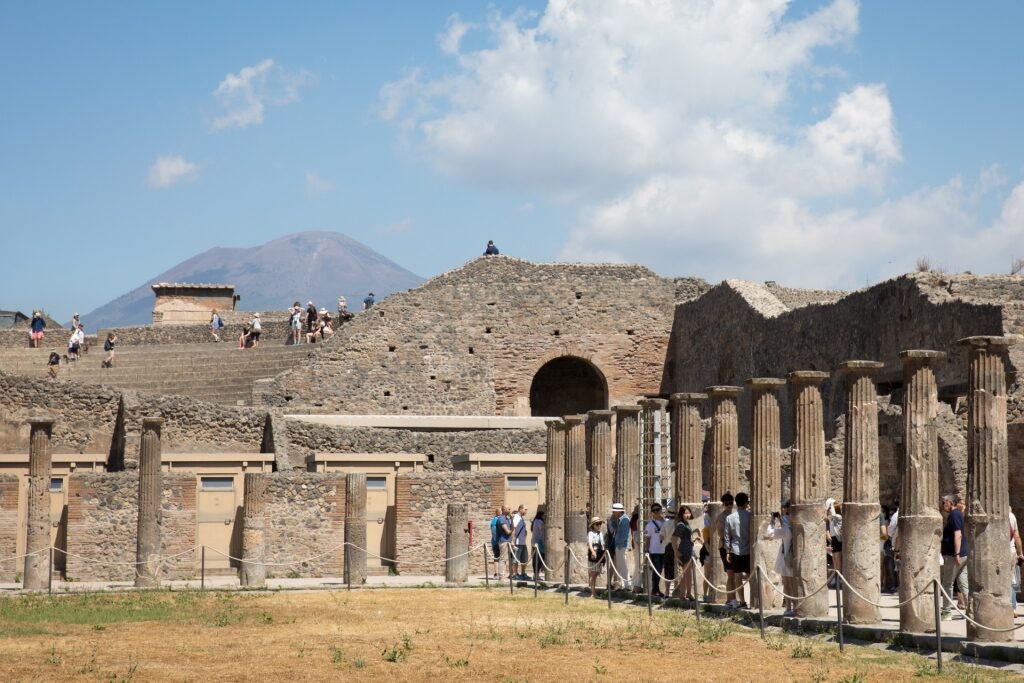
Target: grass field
column 409, row 635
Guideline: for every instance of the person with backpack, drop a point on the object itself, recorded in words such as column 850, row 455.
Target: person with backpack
column 53, row 363
column 784, row 564
column 504, row 539
column 108, row 346
column 684, row 535
column 537, row 541
column 215, row 324
column 495, row 548
column 295, row 321
column 654, row 548
column 595, row 554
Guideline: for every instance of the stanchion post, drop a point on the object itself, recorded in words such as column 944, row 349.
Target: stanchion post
column 568, row 560
column 608, row 581
column 938, row 625
column 487, row 570
column 348, row 571
column 202, row 569
column 696, row 589
column 760, row 598
column 839, row 611
column 49, row 581
column 650, row 583
column 511, row 587
column 535, row 549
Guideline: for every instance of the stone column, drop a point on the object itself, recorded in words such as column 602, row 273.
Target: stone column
column 37, row 534
column 456, row 547
column 668, row 482
column 151, row 490
column 554, row 505
column 687, row 453
column 860, row 493
column 576, row 495
column 253, row 573
column 920, row 522
column 725, row 452
column 355, row 527
column 766, row 482
column 652, row 408
column 989, row 564
column 627, row 456
column 599, row 459
column 810, row 487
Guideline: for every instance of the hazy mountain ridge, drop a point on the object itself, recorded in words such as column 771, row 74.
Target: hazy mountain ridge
column 304, row 266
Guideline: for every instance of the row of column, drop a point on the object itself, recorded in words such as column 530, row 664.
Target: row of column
column 920, row 522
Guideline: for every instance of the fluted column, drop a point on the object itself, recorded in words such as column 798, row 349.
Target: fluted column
column 667, row 479
column 766, row 481
column 355, row 527
column 554, row 505
column 810, row 486
column 860, row 493
column 37, row 534
column 576, row 494
column 650, row 425
column 920, row 522
column 599, row 460
column 147, row 544
column 989, row 564
column 627, row 456
column 456, row 547
column 725, row 451
column 253, row 572
column 687, row 452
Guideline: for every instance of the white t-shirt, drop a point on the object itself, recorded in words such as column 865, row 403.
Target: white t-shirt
column 256, row 327
column 894, row 526
column 594, row 538
column 653, row 532
column 1013, row 528
column 516, row 519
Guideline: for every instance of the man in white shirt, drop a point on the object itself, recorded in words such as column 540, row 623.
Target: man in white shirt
column 654, row 545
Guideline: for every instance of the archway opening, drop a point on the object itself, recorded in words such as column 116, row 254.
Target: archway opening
column 567, row 386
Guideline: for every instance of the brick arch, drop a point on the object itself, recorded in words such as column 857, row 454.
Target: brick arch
column 566, row 385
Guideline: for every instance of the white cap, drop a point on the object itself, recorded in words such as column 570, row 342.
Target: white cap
column 617, row 507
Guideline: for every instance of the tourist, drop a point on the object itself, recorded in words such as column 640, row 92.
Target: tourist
column 504, row 540
column 1017, row 553
column 38, row 327
column 634, row 546
column 537, row 541
column 75, row 343
column 326, row 329
column 75, row 321
column 495, row 546
column 368, row 302
column 954, row 553
column 619, row 535
column 215, row 324
column 595, row 554
column 256, row 328
column 243, row 339
column 295, row 321
column 784, row 565
column 491, row 250
column 685, row 536
column 654, row 548
column 834, row 534
column 668, row 550
column 310, row 319
column 108, row 346
column 737, row 545
column 727, row 503
column 53, row 363
column 519, row 542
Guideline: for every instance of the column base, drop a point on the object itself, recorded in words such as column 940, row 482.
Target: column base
column 861, row 562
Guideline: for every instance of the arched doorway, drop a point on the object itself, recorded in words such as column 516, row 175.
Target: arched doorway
column 567, row 386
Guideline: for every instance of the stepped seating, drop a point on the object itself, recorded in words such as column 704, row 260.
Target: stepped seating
column 219, row 373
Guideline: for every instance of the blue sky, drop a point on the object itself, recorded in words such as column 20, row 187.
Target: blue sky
column 822, row 144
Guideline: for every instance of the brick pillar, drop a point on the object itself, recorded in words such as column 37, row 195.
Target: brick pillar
column 810, row 487
column 725, row 451
column 37, row 534
column 627, row 456
column 599, row 460
column 652, row 409
column 576, row 494
column 687, row 453
column 554, row 506
column 765, row 483
column 456, row 547
column 988, row 497
column 355, row 527
column 151, row 491
column 860, row 493
column 253, row 573
column 920, row 522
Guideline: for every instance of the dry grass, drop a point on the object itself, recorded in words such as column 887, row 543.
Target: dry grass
column 406, row 635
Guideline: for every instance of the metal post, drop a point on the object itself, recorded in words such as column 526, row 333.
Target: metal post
column 49, row 581
column 568, row 560
column 760, row 598
column 839, row 610
column 650, row 583
column 696, row 589
column 536, row 547
column 487, row 570
column 511, row 588
column 348, row 571
column 202, row 570
column 938, row 625
column 608, row 567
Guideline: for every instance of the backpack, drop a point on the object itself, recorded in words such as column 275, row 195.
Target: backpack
column 220, row 322
column 494, row 530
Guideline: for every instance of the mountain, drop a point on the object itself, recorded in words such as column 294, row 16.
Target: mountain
column 304, row 266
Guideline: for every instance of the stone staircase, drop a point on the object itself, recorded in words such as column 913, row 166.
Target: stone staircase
column 219, row 373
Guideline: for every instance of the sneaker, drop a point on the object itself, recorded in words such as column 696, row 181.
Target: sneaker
column 947, row 615
column 743, row 605
column 790, row 612
column 732, row 604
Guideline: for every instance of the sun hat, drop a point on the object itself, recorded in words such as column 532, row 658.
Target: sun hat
column 596, row 520
column 618, row 507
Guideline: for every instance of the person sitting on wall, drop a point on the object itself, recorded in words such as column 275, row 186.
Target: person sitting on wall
column 243, row 339
column 326, row 328
column 368, row 302
column 491, row 250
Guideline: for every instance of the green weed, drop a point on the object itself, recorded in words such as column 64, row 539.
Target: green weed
column 801, row 651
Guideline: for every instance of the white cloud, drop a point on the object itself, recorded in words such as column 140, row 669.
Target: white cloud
column 317, row 184
column 170, row 170
column 671, row 125
column 244, row 96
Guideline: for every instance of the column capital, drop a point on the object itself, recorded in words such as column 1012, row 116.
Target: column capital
column 692, row 398
column 42, row 420
column 600, row 414
column 554, row 423
column 627, row 409
column 993, row 343
column 860, row 367
column 807, row 376
column 920, row 356
column 571, row 420
column 152, row 422
column 723, row 391
column 765, row 383
column 652, row 403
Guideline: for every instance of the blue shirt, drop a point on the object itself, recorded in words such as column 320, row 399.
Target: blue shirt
column 491, row 250
column 368, row 302
column 619, row 531
column 38, row 324
column 954, row 522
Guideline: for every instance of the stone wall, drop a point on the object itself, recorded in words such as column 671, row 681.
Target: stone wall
column 305, row 439
column 9, row 568
column 273, row 331
column 470, row 341
column 103, row 512
column 305, row 517
column 421, row 507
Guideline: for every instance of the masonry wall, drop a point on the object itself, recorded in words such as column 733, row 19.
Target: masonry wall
column 421, row 505
column 305, row 517
column 103, row 514
column 470, row 341
column 273, row 331
column 9, row 568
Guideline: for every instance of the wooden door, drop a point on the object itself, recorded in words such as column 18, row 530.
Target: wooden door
column 216, row 519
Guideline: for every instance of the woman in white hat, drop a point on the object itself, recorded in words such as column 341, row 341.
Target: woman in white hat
column 595, row 553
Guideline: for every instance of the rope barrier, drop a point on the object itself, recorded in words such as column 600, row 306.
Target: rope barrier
column 950, row 600
column 872, row 602
column 15, row 558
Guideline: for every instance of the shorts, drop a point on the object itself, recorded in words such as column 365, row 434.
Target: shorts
column 725, row 562
column 496, row 550
column 254, row 336
column 519, row 553
column 36, row 336
column 741, row 564
column 296, row 324
column 837, row 545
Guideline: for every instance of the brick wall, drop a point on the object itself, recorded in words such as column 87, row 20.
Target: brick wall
column 103, row 514
column 9, row 528
column 421, row 508
column 305, row 516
